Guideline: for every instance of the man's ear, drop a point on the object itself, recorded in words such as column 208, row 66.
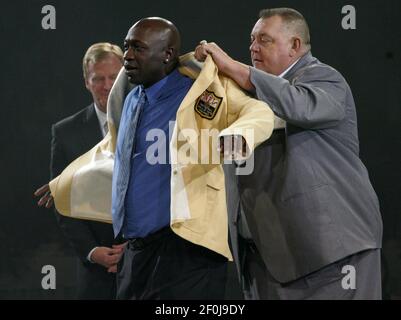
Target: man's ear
column 296, row 45
column 169, row 55
column 86, row 84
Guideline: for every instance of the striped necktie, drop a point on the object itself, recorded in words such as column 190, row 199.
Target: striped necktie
column 105, row 128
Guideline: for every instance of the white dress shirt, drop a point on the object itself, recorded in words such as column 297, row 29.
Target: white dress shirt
column 288, row 69
column 102, row 118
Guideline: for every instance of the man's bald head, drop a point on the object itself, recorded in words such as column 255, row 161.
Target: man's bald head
column 152, row 48
column 165, row 29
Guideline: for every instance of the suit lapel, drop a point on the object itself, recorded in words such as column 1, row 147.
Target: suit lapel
column 92, row 133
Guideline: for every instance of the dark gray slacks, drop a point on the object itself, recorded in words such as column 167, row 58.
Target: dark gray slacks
column 333, row 282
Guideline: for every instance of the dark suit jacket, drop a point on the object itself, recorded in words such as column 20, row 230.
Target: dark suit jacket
column 309, row 201
column 71, row 137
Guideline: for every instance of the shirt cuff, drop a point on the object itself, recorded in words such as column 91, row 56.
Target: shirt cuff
column 90, row 255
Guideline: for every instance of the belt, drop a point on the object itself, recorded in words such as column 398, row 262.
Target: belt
column 277, row 137
column 140, row 243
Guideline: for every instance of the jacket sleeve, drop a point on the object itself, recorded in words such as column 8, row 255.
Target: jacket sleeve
column 251, row 118
column 315, row 99
column 78, row 232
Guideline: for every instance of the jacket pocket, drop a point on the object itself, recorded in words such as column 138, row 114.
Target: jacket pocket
column 214, row 190
column 215, row 178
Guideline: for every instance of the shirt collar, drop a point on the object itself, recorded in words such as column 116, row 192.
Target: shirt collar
column 288, row 69
column 154, row 91
column 100, row 114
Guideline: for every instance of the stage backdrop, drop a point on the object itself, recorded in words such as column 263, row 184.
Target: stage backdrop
column 41, row 83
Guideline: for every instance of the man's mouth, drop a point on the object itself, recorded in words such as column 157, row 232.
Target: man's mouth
column 130, row 69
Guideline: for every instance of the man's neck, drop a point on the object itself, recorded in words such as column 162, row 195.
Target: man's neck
column 100, row 108
column 168, row 71
column 154, row 90
column 281, row 75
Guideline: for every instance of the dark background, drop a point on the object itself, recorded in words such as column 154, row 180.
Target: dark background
column 41, row 83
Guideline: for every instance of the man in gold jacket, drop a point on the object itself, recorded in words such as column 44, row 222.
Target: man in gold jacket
column 214, row 113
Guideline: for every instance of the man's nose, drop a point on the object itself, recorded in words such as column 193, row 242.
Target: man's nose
column 108, row 84
column 128, row 54
column 254, row 47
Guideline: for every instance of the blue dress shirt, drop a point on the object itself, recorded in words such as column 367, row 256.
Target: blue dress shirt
column 146, row 201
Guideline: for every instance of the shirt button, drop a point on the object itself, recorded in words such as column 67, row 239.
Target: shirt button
column 175, row 172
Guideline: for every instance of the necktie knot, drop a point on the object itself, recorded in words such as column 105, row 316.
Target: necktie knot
column 142, row 98
column 105, row 128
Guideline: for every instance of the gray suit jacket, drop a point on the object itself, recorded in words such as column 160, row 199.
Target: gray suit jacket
column 309, row 201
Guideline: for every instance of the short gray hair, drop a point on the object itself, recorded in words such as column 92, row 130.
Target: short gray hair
column 293, row 20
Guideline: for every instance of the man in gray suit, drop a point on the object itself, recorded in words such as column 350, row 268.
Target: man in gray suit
column 306, row 223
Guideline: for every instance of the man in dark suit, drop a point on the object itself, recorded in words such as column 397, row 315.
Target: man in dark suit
column 72, row 137
column 306, row 223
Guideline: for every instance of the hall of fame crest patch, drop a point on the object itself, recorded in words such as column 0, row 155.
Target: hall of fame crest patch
column 208, row 104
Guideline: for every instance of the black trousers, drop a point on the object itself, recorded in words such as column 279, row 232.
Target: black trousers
column 169, row 267
column 94, row 282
